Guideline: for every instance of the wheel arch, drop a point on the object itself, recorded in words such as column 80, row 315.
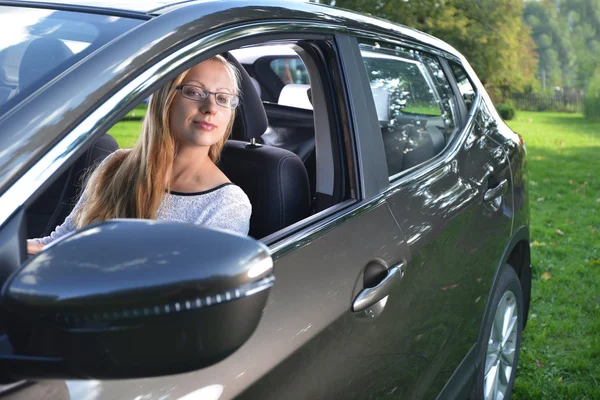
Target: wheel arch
column 516, row 254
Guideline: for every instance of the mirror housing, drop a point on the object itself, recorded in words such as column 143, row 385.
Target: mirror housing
column 134, row 298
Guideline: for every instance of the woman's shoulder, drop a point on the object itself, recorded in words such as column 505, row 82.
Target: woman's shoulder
column 118, row 154
column 232, row 192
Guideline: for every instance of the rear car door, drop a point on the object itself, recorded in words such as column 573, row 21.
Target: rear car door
column 449, row 188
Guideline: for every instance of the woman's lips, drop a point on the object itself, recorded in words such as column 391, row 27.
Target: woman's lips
column 205, row 125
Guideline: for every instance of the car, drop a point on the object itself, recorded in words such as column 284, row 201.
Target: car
column 389, row 249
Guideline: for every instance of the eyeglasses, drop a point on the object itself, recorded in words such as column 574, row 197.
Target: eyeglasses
column 197, row 93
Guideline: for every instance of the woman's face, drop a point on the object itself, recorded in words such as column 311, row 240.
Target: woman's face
column 202, row 123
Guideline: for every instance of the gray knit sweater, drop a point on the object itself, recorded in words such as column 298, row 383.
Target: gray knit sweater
column 224, row 207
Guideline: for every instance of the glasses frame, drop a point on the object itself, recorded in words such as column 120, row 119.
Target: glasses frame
column 233, row 96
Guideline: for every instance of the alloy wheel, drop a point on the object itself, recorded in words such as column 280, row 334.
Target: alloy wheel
column 500, row 357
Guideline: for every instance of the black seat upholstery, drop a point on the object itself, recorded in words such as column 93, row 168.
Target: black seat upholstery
column 406, row 146
column 250, row 118
column 56, row 203
column 274, row 179
column 419, row 147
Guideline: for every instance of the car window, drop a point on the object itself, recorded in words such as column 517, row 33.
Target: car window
column 38, row 44
column 294, row 132
column 290, row 70
column 465, row 86
column 414, row 104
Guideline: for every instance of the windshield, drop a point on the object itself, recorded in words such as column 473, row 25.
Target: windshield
column 36, row 45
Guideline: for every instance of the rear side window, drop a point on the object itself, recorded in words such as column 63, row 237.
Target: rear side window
column 36, row 45
column 465, row 86
column 290, row 70
column 414, row 103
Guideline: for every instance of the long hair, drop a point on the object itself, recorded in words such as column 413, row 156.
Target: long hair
column 132, row 184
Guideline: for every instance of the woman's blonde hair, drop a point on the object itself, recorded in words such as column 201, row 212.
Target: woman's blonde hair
column 132, row 184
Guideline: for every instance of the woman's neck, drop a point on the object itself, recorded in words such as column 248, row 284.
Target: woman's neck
column 194, row 171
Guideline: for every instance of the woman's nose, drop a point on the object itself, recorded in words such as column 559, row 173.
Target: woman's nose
column 209, row 105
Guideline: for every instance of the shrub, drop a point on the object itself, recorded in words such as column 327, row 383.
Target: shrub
column 507, row 111
column 591, row 103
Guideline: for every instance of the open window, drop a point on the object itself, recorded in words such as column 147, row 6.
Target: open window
column 293, row 168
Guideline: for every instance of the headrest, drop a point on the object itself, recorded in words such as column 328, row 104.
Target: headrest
column 295, row 95
column 381, row 96
column 250, row 119
column 41, row 56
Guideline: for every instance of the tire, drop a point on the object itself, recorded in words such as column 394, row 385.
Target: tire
column 501, row 345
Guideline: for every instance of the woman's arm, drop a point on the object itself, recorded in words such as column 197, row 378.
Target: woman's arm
column 34, row 246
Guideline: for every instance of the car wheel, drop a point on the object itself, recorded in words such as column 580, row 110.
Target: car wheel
column 502, row 339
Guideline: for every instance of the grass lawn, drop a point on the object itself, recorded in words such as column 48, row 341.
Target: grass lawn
column 127, row 131
column 560, row 357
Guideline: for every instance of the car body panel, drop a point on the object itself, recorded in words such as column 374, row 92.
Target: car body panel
column 122, row 5
column 307, row 326
column 447, row 222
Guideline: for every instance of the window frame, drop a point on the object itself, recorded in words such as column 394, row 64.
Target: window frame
column 445, row 158
column 458, row 94
column 427, row 74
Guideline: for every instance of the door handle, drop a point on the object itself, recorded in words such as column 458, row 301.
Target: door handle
column 369, row 296
column 499, row 190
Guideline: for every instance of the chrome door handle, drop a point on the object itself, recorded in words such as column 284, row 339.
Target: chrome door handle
column 499, row 190
column 370, row 296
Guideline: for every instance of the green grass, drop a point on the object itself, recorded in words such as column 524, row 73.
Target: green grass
column 127, row 131
column 560, row 357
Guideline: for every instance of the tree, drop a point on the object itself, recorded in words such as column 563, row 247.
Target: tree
column 490, row 33
column 567, row 35
column 591, row 107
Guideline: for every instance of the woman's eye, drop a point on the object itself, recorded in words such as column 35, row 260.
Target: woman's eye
column 191, row 92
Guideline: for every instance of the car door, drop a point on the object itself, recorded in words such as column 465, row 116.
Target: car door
column 310, row 342
column 450, row 203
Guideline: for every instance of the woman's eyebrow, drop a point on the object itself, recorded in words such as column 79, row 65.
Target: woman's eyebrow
column 204, row 86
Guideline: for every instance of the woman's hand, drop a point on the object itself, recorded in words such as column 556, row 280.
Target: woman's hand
column 34, row 248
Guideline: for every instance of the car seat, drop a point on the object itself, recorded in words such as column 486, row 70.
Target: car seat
column 274, row 179
column 56, row 203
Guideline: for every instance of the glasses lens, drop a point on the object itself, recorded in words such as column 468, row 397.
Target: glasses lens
column 226, row 100
column 194, row 92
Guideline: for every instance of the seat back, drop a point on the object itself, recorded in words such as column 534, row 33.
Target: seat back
column 56, row 203
column 275, row 180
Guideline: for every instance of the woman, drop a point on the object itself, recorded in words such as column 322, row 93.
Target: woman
column 171, row 173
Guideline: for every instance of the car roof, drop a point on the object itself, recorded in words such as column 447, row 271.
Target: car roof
column 319, row 12
column 145, row 6
column 324, row 13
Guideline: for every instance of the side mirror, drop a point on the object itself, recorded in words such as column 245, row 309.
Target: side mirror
column 134, row 298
